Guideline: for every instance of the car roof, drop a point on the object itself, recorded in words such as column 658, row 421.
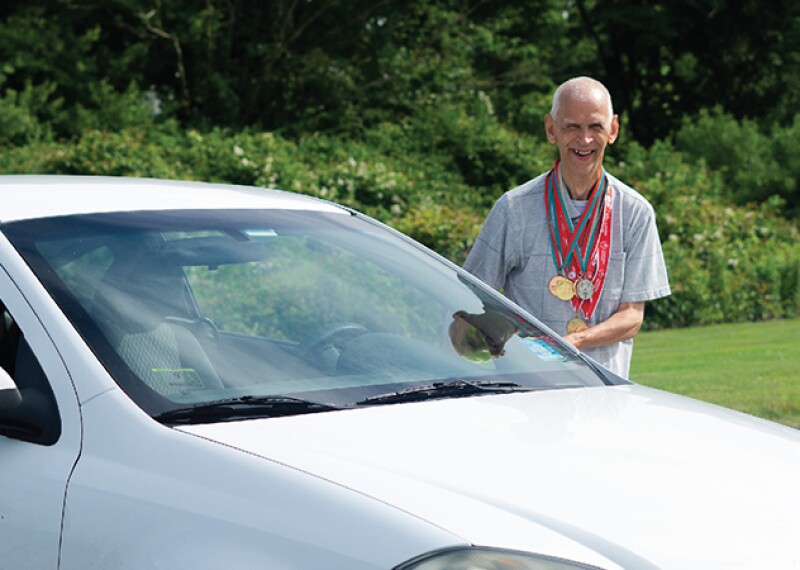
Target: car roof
column 32, row 196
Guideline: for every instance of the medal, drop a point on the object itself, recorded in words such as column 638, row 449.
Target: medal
column 562, row 288
column 584, row 288
column 576, row 324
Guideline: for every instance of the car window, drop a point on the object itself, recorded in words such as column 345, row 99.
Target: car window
column 196, row 307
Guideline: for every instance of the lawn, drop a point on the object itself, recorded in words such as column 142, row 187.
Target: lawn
column 753, row 367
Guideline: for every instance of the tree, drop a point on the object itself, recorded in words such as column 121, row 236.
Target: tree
column 664, row 60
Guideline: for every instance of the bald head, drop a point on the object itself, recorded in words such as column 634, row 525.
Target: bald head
column 581, row 89
column 582, row 124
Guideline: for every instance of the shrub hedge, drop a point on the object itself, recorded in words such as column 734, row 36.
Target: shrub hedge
column 727, row 262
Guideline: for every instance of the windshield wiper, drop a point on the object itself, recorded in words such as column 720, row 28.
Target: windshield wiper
column 454, row 389
column 242, row 408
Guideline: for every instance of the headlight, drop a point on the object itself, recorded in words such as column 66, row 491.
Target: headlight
column 489, row 559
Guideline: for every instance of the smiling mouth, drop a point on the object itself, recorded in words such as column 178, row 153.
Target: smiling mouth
column 583, row 153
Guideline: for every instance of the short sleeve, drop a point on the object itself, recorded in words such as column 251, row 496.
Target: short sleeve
column 645, row 270
column 492, row 254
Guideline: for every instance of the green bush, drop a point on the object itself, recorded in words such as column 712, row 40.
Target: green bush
column 19, row 110
column 142, row 152
column 727, row 263
column 113, row 111
column 484, row 152
column 755, row 163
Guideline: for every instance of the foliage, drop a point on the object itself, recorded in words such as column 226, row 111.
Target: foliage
column 18, row 118
column 726, row 263
column 422, row 112
column 472, row 79
column 665, row 60
column 330, row 65
column 412, row 192
column 345, row 66
column 755, row 163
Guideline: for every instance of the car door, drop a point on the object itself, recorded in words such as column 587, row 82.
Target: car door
column 34, row 471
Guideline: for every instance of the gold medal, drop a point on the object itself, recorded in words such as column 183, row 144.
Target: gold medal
column 562, row 288
column 584, row 289
column 576, row 324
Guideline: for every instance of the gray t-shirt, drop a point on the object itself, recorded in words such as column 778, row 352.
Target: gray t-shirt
column 512, row 253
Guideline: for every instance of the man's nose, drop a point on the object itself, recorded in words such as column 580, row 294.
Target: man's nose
column 585, row 136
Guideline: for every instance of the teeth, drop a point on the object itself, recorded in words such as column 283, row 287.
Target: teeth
column 583, row 153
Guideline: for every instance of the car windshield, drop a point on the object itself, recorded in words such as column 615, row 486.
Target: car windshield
column 307, row 310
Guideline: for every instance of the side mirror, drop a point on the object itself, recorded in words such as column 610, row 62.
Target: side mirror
column 6, row 383
column 10, row 400
column 20, row 412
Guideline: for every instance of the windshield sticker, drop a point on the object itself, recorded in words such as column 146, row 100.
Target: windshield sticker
column 174, row 381
column 542, row 349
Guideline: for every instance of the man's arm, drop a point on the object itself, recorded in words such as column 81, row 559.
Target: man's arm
column 622, row 325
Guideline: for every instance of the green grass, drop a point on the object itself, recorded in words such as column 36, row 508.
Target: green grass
column 752, row 367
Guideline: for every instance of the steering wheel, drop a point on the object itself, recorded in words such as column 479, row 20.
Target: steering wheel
column 321, row 348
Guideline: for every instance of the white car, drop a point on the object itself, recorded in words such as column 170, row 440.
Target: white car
column 207, row 376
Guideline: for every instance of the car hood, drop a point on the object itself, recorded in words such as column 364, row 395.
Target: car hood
column 637, row 476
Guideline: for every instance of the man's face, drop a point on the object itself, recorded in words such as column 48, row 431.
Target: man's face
column 582, row 129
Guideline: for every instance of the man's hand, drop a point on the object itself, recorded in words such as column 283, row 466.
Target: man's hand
column 622, row 325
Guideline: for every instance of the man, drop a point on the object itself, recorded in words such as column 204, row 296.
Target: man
column 575, row 246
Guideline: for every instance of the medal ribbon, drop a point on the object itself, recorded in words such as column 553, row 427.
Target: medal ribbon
column 580, row 252
column 565, row 239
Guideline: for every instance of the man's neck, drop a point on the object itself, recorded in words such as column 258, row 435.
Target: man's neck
column 579, row 189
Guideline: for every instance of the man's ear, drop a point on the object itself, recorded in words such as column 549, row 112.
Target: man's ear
column 550, row 128
column 614, row 133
